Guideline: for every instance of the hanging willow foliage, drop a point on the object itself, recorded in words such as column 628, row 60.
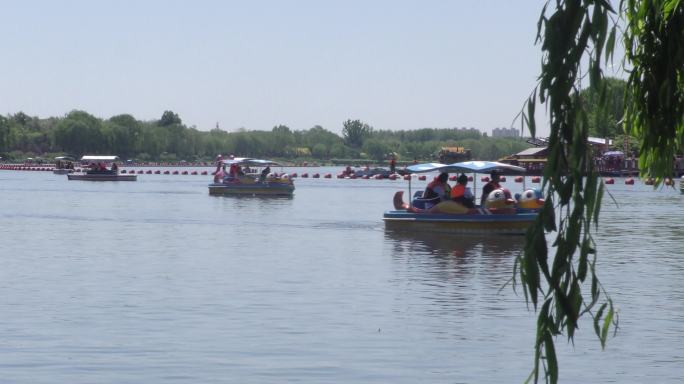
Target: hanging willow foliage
column 654, row 47
column 577, row 33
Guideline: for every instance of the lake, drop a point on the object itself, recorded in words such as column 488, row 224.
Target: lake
column 155, row 281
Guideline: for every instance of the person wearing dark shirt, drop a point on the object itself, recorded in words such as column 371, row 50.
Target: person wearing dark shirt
column 265, row 172
column 490, row 186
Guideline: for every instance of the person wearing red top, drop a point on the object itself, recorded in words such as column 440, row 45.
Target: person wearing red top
column 490, row 186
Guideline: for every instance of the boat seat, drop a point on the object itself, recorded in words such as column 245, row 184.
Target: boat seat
column 421, row 203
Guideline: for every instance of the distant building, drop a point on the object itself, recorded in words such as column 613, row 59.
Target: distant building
column 505, row 132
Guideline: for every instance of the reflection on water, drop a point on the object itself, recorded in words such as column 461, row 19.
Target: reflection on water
column 458, row 273
column 457, row 245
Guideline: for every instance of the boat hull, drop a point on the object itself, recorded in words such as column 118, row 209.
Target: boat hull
column 259, row 189
column 102, row 177
column 509, row 224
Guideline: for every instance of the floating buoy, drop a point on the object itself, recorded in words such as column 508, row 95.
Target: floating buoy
column 293, row 175
column 407, row 177
column 204, row 173
column 365, row 177
column 123, row 171
column 328, row 176
column 175, row 172
column 629, row 181
column 193, row 173
column 167, row 172
column 502, row 179
column 315, row 176
column 422, row 177
column 470, row 178
column 340, row 176
column 649, row 181
column 452, row 178
column 140, row 172
column 609, row 180
column 536, row 179
column 392, row 176
column 484, row 179
column 518, row 179
column 378, row 177
column 305, row 175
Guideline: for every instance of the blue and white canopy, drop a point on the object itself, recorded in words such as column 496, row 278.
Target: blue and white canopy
column 465, row 167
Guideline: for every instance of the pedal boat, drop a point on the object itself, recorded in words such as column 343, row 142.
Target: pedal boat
column 110, row 173
column 452, row 217
column 251, row 183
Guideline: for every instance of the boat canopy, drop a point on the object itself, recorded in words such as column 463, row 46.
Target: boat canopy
column 69, row 158
column 465, row 167
column 99, row 158
column 249, row 162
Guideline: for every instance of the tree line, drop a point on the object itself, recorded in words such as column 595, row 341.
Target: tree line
column 168, row 139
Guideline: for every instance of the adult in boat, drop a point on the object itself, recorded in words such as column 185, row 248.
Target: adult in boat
column 438, row 187
column 265, row 172
column 460, row 193
column 393, row 165
column 490, row 186
column 115, row 168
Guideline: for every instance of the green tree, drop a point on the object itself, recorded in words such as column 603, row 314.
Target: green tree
column 169, row 118
column 4, row 134
column 605, row 107
column 375, row 149
column 355, row 131
column 566, row 287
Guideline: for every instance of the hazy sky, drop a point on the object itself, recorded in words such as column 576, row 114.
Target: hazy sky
column 255, row 64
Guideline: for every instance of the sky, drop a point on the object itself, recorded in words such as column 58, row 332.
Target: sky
column 256, row 64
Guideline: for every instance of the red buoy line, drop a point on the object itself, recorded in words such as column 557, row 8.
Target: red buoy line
column 305, row 175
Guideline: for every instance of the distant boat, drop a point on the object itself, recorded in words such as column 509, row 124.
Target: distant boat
column 63, row 165
column 101, row 168
column 250, row 177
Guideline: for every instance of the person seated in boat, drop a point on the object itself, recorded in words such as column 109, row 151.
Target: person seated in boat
column 265, row 173
column 438, row 188
column 233, row 171
column 460, row 193
column 239, row 171
column 115, row 168
column 490, row 186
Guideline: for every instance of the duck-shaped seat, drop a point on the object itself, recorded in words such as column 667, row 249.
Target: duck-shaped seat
column 500, row 201
column 530, row 199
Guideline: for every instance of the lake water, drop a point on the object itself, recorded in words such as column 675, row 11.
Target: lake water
column 158, row 282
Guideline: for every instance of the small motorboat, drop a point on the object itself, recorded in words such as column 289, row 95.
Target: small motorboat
column 499, row 215
column 250, row 177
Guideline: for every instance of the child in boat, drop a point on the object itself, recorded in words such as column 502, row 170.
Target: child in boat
column 462, row 194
